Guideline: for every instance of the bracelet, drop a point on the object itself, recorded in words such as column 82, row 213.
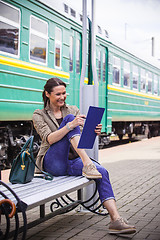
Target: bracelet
column 68, row 127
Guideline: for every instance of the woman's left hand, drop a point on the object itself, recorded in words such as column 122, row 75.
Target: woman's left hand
column 98, row 129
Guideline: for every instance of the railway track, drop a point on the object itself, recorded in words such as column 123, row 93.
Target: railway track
column 114, row 141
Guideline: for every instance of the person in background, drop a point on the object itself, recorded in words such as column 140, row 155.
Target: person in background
column 59, row 126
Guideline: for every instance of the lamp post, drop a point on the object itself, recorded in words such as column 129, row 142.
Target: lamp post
column 89, row 93
column 153, row 46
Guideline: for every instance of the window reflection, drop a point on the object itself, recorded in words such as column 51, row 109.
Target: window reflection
column 135, row 77
column 155, row 84
column 143, row 80
column 9, row 38
column 58, row 46
column 57, row 55
column 149, row 79
column 38, row 53
column 71, row 55
column 116, row 70
column 38, row 40
column 78, row 56
column 9, row 12
column 9, row 29
column 110, row 64
column 126, row 76
column 39, row 25
column 99, row 65
column 104, row 67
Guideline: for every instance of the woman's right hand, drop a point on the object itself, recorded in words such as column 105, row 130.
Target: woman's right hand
column 78, row 121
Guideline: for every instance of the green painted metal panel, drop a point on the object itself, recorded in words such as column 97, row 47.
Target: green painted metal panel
column 21, row 92
column 128, row 107
column 13, row 111
column 74, row 81
column 102, row 67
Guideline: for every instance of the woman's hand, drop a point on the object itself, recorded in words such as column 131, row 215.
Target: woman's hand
column 98, row 129
column 78, row 121
column 60, row 133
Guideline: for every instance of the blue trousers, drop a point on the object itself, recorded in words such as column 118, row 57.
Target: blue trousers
column 57, row 163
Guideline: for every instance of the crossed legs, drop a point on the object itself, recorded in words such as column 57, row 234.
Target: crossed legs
column 110, row 204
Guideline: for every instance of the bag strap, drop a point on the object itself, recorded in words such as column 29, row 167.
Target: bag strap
column 28, row 144
column 48, row 176
column 95, row 161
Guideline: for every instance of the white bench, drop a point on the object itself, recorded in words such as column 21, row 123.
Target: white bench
column 39, row 192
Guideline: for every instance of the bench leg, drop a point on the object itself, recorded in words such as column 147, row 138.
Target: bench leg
column 92, row 203
column 79, row 194
column 42, row 211
column 20, row 208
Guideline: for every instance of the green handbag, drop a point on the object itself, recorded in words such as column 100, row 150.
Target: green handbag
column 23, row 166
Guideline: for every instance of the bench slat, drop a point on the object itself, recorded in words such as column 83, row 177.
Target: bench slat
column 40, row 191
column 38, row 185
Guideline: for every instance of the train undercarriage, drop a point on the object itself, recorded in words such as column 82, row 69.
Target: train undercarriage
column 13, row 135
column 121, row 129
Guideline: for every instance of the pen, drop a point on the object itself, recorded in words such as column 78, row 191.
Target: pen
column 81, row 117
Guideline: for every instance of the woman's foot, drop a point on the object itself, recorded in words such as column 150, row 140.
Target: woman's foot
column 90, row 171
column 121, row 226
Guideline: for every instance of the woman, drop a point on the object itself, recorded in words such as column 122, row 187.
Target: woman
column 59, row 128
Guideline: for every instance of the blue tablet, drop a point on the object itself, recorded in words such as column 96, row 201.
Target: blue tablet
column 88, row 135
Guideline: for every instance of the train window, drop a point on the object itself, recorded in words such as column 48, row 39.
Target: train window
column 58, row 46
column 78, row 56
column 66, row 8
column 106, row 34
column 149, row 80
column 126, row 76
column 143, row 80
column 99, row 30
column 73, row 12
column 9, row 29
column 155, row 84
column 110, row 64
column 99, row 66
column 81, row 17
column 116, row 70
column 104, row 67
column 71, row 55
column 135, row 77
column 38, row 40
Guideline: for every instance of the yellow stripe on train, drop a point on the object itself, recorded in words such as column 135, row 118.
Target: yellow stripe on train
column 32, row 67
column 123, row 90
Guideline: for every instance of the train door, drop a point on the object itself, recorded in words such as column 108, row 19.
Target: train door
column 102, row 80
column 75, row 66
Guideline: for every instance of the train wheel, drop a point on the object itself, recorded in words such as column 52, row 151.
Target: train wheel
column 101, row 143
column 130, row 135
column 120, row 136
column 149, row 135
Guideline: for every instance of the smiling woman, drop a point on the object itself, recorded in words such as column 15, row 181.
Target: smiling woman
column 66, row 121
column 59, row 128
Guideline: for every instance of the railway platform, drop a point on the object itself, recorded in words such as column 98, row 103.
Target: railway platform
column 135, row 175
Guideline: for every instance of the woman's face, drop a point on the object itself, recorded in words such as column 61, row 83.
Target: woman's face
column 58, row 96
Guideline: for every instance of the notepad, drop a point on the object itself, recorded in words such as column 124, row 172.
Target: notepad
column 88, row 135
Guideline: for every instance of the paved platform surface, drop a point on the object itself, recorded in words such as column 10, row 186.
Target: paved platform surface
column 135, row 175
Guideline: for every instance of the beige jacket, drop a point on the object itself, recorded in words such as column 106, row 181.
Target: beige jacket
column 44, row 126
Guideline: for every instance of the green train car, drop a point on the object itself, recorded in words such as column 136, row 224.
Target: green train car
column 38, row 42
